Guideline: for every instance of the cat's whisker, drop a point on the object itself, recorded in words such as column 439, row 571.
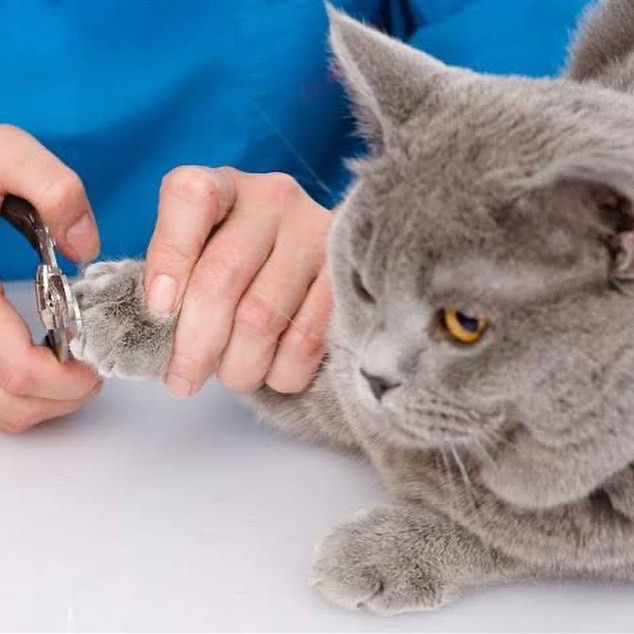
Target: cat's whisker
column 481, row 450
column 465, row 476
column 496, row 439
column 277, row 308
column 495, row 433
column 338, row 346
column 288, row 318
column 452, row 484
column 291, row 147
column 489, row 443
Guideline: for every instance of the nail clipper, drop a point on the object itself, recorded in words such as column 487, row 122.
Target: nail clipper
column 56, row 305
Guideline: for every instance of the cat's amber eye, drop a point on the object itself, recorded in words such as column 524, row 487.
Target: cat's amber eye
column 464, row 328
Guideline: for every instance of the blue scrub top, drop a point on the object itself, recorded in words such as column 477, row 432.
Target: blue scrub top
column 123, row 91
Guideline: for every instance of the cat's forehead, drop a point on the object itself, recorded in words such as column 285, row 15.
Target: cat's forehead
column 467, row 156
column 468, row 244
column 486, row 122
column 500, row 128
column 448, row 192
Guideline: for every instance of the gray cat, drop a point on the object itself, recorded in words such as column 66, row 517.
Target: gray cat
column 481, row 345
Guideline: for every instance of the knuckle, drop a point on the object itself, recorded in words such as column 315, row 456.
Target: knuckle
column 286, row 384
column 239, row 383
column 190, row 182
column 14, row 428
column 304, row 344
column 259, row 315
column 187, row 365
column 17, row 381
column 19, row 420
column 167, row 250
column 63, row 189
column 290, row 380
column 11, row 131
column 280, row 188
column 220, row 268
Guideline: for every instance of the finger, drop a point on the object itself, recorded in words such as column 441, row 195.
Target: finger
column 231, row 260
column 18, row 415
column 29, row 170
column 303, row 345
column 266, row 308
column 33, row 371
column 192, row 201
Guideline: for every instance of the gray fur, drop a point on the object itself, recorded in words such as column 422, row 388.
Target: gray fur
column 119, row 336
column 505, row 197
column 603, row 48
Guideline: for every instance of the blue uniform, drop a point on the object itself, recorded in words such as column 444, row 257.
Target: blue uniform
column 124, row 91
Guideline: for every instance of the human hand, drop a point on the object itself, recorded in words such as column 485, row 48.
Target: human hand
column 34, row 386
column 242, row 256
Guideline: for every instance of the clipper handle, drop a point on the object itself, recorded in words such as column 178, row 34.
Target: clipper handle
column 24, row 217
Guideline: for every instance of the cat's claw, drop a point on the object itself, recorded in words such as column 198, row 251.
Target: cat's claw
column 98, row 269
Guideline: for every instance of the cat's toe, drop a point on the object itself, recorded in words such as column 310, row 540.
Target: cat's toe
column 119, row 337
column 360, row 569
column 98, row 269
column 94, row 352
column 107, row 283
column 107, row 368
column 350, row 585
column 77, row 348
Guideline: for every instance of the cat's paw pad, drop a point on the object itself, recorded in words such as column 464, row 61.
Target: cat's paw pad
column 119, row 337
column 363, row 565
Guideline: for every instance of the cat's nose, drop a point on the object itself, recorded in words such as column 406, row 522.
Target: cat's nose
column 379, row 385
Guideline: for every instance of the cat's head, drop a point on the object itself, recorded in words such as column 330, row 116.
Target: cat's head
column 481, row 259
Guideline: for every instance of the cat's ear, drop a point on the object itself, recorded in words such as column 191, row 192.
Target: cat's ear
column 607, row 179
column 388, row 81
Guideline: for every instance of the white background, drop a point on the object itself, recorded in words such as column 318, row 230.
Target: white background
column 147, row 513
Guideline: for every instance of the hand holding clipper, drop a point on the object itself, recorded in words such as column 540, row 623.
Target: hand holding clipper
column 57, row 308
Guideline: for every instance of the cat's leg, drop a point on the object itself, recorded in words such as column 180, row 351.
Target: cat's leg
column 119, row 336
column 404, row 557
column 315, row 415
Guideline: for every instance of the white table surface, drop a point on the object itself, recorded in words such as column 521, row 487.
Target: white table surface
column 147, row 513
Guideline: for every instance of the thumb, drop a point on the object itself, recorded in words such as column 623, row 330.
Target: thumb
column 30, row 171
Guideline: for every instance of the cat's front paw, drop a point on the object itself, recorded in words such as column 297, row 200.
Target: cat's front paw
column 381, row 562
column 119, row 337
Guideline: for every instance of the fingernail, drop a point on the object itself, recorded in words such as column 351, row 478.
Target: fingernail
column 178, row 386
column 162, row 294
column 81, row 237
